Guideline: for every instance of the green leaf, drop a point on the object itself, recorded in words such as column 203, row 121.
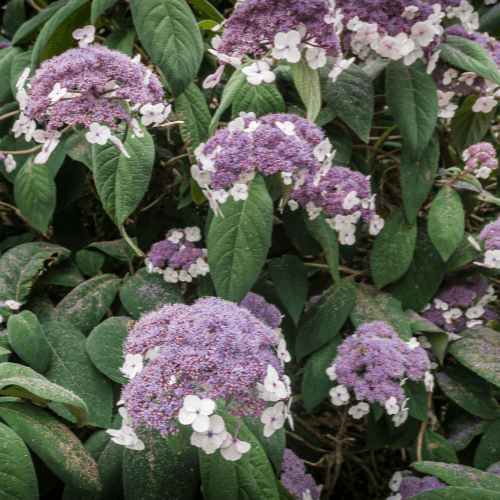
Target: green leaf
column 412, row 99
column 374, row 305
column 105, row 347
column 470, row 56
column 392, row 251
column 120, row 181
column 28, row 341
column 417, row 177
column 306, row 80
column 191, row 107
column 238, row 242
column 19, row 62
column 289, row 276
column 98, row 7
column 422, row 279
column 262, row 99
column 13, row 16
column 79, row 149
column 477, row 350
column 65, row 274
column 121, row 39
column 28, row 30
column 170, row 35
column 457, row 494
column 7, row 56
column 417, row 400
column 488, row 452
column 57, row 34
column 353, row 99
column 35, row 194
column 435, row 448
column 468, row 127
column 446, row 221
column 110, row 471
column 296, row 229
column 155, row 472
column 459, row 475
column 55, row 444
column 325, row 318
column 251, row 477
column 89, row 262
column 86, row 304
column 231, row 90
column 489, row 20
column 206, row 10
column 316, row 384
column 463, row 254
column 18, row 479
column 118, row 249
column 71, row 368
column 342, row 144
column 21, row 266
column 144, row 292
column 21, row 381
column 10, row 143
column 469, row 391
column 327, row 238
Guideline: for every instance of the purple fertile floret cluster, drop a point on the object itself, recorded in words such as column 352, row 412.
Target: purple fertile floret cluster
column 460, row 307
column 482, row 154
column 374, row 360
column 4, row 45
column 294, row 477
column 411, row 486
column 255, row 23
column 213, row 348
column 262, row 310
column 491, row 235
column 88, row 74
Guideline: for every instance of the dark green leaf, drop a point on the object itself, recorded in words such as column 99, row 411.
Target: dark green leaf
column 325, row 318
column 110, row 472
column 392, row 251
column 55, row 444
column 98, row 7
column 488, row 452
column 79, row 149
column 121, row 39
column 13, row 16
column 238, row 242
column 89, row 261
column 457, row 494
column 463, row 254
column 7, row 56
column 412, row 99
column 105, row 347
column 297, row 231
column 435, row 448
column 206, row 10
column 118, row 249
column 71, row 368
column 144, row 292
column 170, row 35
column 85, row 305
column 65, row 274
column 262, row 99
column 446, row 222
column 342, row 144
column 19, row 62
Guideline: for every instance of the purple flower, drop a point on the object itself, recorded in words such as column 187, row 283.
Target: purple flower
column 93, row 78
column 411, row 486
column 213, row 349
column 267, row 313
column 481, row 159
column 295, row 479
column 491, row 235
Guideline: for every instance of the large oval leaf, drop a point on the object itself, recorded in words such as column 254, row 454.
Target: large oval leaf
column 71, row 368
column 392, row 251
column 86, row 304
column 306, row 80
column 120, row 181
column 412, row 99
column 169, row 33
column 446, row 221
column 238, row 242
column 452, row 493
column 262, row 99
column 55, row 444
column 488, row 452
column 18, row 479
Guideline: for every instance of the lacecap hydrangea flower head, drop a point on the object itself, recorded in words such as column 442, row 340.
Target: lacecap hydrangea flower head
column 460, row 307
column 297, row 151
column 89, row 85
column 277, row 30
column 405, row 486
column 480, row 159
column 185, row 362
column 295, row 479
column 374, row 363
column 490, row 239
column 183, row 259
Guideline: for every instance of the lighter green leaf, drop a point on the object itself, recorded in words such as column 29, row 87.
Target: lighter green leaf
column 206, row 10
column 98, row 7
column 262, row 99
column 435, row 448
column 306, row 80
column 488, row 452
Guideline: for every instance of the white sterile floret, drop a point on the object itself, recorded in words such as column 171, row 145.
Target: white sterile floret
column 211, row 439
column 339, row 395
column 195, row 412
column 312, row 210
column 484, row 104
column 13, row 304
column 233, row 449
column 474, row 322
column 57, row 92
column 400, row 418
column 395, row 482
column 273, row 388
column 246, row 177
column 273, row 418
column 413, row 343
column 286, row 46
column 306, row 495
column 432, row 62
column 126, row 437
column 212, row 80
column 22, row 99
column 46, row 151
column 339, row 66
column 429, row 381
column 444, row 98
column 136, row 129
column 410, row 12
column 288, row 413
column 423, row 33
column 10, row 163
column 252, row 127
column 152, row 354
column 152, row 113
column 360, row 410
column 293, row 205
column 287, row 127
column 474, row 312
column 347, row 235
column 376, row 225
column 175, row 237
column 98, row 134
column 391, row 406
column 258, row 72
column 184, row 276
column 84, row 35
column 439, row 304
column 350, row 201
column 22, row 79
column 452, row 314
column 397, row 496
column 170, row 276
column 449, row 75
column 220, row 196
column 283, row 354
column 132, row 366
column 330, row 371
column 239, row 192
column 323, row 149
column 316, row 57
